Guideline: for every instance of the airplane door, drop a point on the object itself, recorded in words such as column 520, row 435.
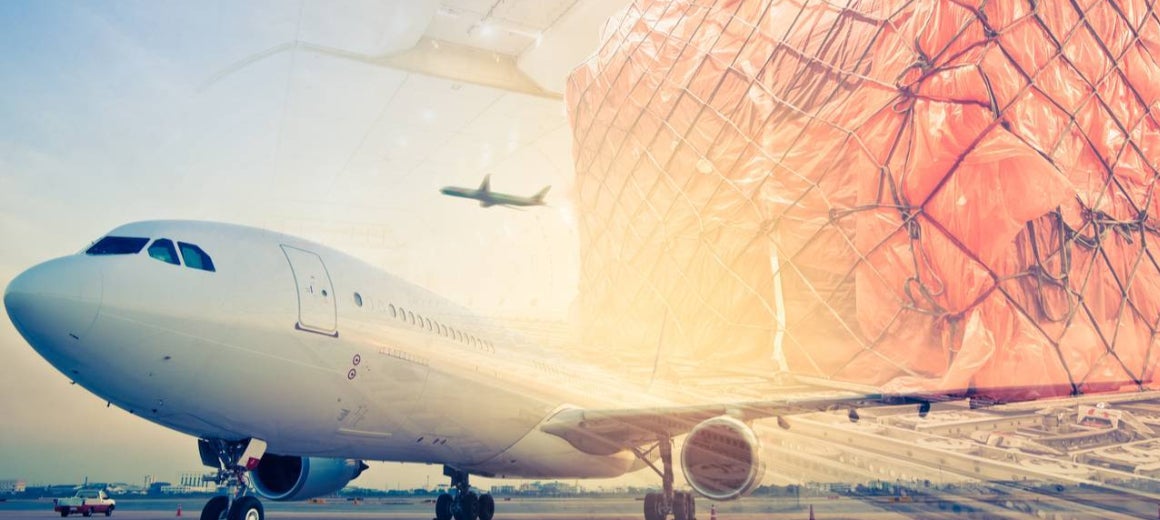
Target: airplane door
column 316, row 305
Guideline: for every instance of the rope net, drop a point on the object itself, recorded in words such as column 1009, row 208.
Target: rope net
column 926, row 195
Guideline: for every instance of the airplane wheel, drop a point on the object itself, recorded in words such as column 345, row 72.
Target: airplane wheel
column 87, row 513
column 247, row 508
column 680, row 506
column 109, row 512
column 215, row 509
column 684, row 506
column 468, row 507
column 443, row 507
column 486, row 507
column 652, row 507
column 64, row 513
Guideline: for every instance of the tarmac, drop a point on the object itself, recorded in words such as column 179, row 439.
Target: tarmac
column 516, row 509
column 818, row 508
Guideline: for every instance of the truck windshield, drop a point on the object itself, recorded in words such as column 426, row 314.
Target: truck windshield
column 112, row 245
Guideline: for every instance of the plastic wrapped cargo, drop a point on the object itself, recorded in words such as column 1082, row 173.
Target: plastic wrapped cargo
column 925, row 196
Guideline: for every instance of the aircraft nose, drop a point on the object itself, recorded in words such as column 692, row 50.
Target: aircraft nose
column 55, row 302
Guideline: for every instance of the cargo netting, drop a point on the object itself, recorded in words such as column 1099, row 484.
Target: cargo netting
column 925, row 196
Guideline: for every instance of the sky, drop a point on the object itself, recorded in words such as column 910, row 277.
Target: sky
column 121, row 111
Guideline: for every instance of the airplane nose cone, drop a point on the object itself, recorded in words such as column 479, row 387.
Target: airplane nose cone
column 55, row 302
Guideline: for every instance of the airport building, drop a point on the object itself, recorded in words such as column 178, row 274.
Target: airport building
column 12, row 486
column 175, row 489
column 194, row 482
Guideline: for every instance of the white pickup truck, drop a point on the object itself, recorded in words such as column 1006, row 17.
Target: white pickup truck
column 86, row 502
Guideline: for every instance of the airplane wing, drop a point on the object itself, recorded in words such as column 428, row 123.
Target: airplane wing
column 612, row 430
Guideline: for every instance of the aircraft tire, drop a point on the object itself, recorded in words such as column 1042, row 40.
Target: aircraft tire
column 215, row 508
column 684, row 506
column 443, row 507
column 468, row 507
column 486, row 507
column 247, row 508
column 109, row 511
column 680, row 506
column 652, row 507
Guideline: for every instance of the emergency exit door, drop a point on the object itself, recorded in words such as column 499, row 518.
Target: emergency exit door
column 316, row 306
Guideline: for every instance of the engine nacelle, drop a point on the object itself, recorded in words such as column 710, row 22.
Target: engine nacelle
column 286, row 477
column 721, row 459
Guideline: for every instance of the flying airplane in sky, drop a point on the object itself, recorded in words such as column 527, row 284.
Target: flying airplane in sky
column 488, row 198
column 292, row 363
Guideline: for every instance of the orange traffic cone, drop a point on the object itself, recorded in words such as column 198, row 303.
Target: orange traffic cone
column 178, row 509
column 812, row 512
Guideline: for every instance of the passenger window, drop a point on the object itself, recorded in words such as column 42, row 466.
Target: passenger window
column 194, row 257
column 392, row 309
column 162, row 249
column 111, row 245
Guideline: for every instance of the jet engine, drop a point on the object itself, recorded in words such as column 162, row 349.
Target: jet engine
column 721, row 459
column 285, row 477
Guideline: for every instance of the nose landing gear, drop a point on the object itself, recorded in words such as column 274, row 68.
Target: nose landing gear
column 463, row 503
column 232, row 460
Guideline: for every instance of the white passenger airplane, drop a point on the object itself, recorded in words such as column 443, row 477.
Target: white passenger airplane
column 292, row 363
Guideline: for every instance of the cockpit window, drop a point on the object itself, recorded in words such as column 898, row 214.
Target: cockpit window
column 195, row 257
column 112, row 245
column 162, row 249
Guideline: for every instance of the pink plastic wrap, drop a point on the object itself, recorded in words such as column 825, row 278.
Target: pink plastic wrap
column 924, row 195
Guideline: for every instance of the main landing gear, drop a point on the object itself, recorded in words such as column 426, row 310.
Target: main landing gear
column 462, row 503
column 232, row 460
column 658, row 506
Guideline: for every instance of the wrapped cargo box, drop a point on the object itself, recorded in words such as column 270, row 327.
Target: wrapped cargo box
column 926, row 195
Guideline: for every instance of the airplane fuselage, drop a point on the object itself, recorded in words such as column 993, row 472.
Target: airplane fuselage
column 489, row 198
column 314, row 351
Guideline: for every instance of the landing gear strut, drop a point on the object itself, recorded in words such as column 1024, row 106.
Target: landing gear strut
column 232, row 460
column 658, row 506
column 462, row 503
